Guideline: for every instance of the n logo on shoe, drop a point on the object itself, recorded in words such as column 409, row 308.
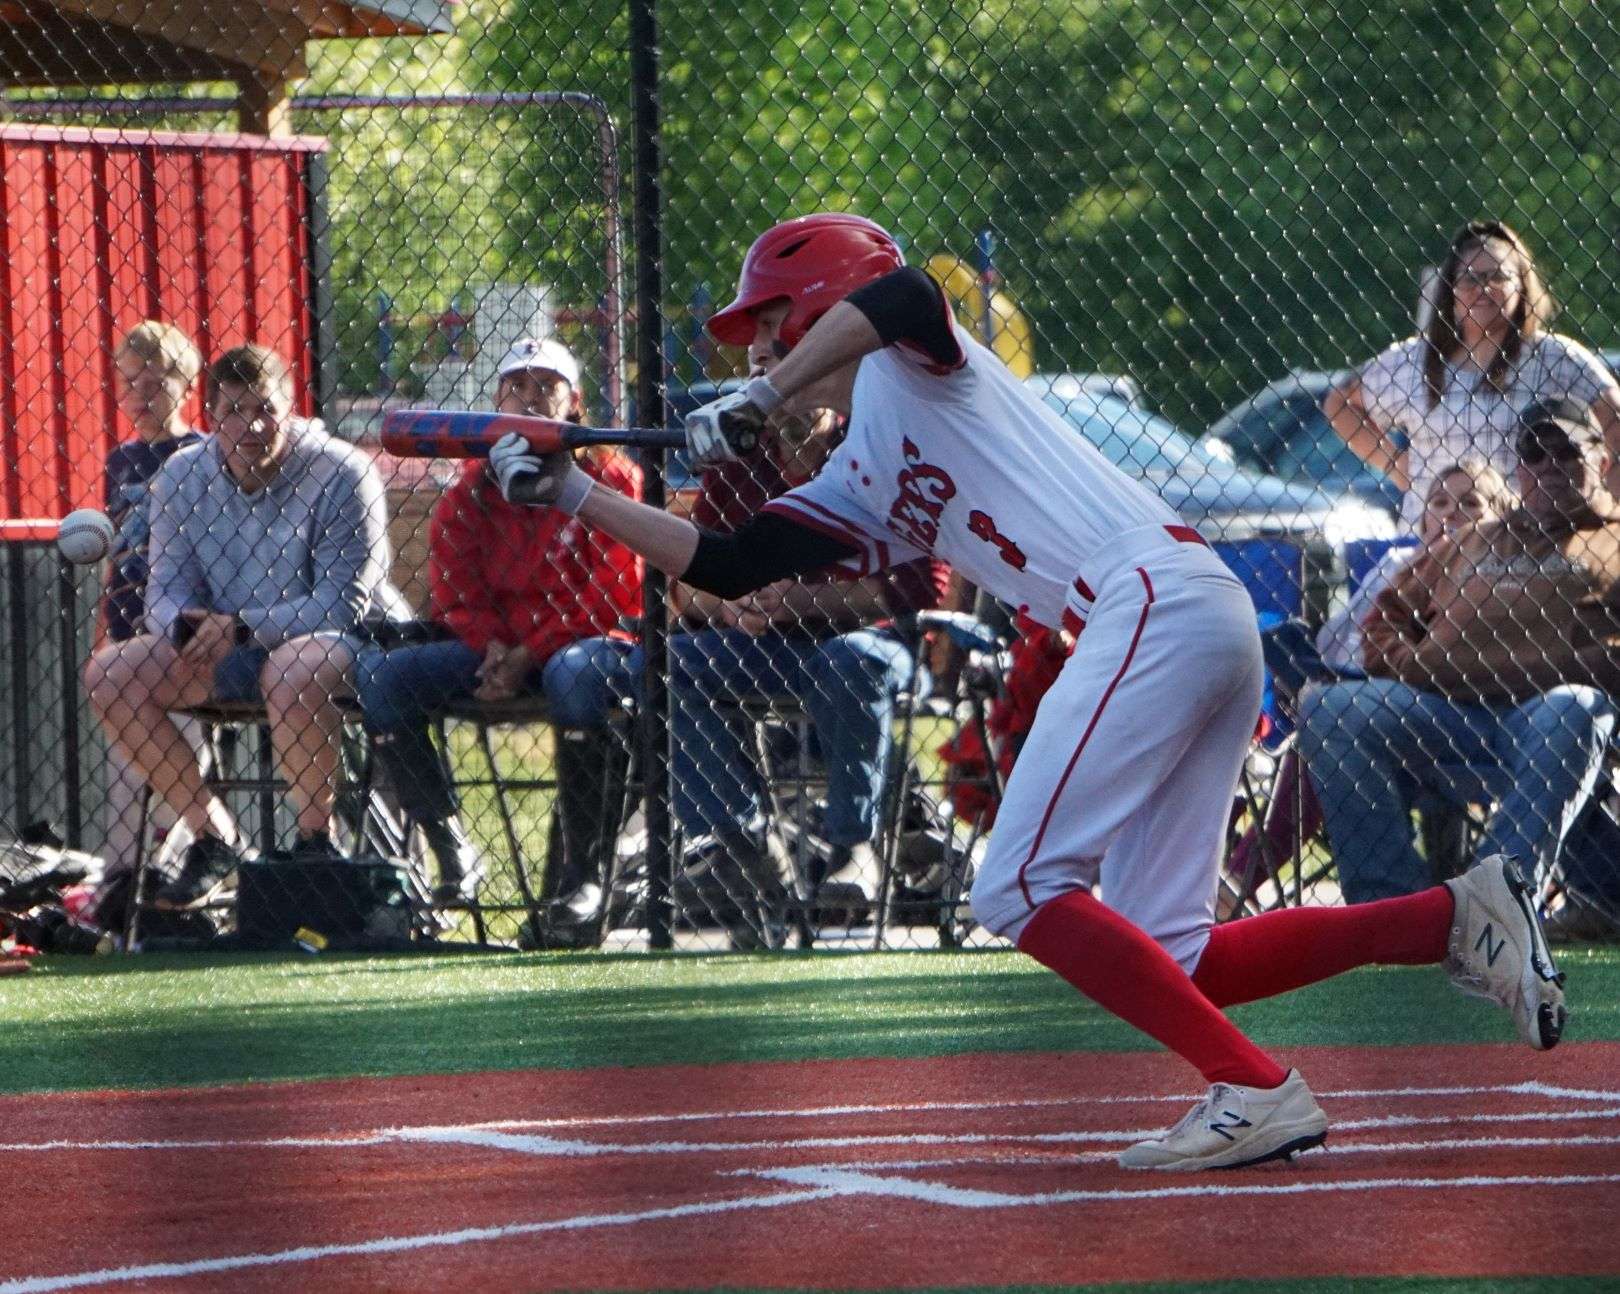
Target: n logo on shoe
column 1237, row 1121
column 1492, row 951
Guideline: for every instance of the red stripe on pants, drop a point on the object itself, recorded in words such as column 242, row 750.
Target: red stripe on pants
column 1057, row 794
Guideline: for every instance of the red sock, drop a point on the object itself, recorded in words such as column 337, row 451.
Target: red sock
column 1121, row 969
column 1273, row 953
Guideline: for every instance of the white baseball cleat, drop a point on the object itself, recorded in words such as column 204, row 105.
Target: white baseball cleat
column 1235, row 1126
column 1497, row 950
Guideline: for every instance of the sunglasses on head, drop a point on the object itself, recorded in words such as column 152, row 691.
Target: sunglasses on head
column 1534, row 450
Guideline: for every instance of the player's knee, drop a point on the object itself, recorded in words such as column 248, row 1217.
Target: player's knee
column 995, row 900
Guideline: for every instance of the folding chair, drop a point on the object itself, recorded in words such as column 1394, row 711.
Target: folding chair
column 978, row 684
column 1272, row 569
column 529, row 711
column 368, row 821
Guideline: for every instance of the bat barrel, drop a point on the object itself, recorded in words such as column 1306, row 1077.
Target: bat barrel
column 449, row 433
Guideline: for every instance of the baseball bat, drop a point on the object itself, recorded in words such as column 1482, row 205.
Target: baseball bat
column 456, row 433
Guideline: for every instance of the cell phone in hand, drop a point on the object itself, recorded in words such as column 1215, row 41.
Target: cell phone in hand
column 182, row 630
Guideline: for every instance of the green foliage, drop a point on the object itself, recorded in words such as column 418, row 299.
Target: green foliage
column 1202, row 195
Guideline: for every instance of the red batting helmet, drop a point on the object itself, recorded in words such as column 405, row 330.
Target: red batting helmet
column 813, row 262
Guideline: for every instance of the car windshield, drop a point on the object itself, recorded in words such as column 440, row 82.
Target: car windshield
column 1131, row 438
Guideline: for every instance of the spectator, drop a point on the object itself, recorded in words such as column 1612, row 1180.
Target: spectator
column 1464, row 493
column 512, row 588
column 269, row 552
column 820, row 641
column 155, row 367
column 1457, row 388
column 1470, row 649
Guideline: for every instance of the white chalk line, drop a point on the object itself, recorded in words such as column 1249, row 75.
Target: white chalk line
column 846, row 1183
column 819, row 1183
column 827, row 1111
column 1065, row 1160
column 384, row 1136
column 490, row 1136
column 824, row 1182
column 401, row 1244
column 523, row 1144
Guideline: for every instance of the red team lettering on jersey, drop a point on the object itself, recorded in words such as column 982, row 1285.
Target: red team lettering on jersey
column 923, row 490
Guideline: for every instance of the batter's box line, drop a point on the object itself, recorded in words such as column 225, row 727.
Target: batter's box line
column 848, row 1183
column 528, row 1144
column 400, row 1244
column 926, row 1107
column 1057, row 1160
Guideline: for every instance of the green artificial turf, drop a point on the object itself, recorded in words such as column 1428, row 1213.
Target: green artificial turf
column 168, row 1020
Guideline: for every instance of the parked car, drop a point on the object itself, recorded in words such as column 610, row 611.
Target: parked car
column 1281, row 430
column 1223, row 499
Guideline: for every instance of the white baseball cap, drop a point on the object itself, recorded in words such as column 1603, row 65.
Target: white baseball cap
column 553, row 356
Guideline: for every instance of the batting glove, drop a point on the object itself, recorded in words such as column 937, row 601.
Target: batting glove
column 723, row 430
column 538, row 480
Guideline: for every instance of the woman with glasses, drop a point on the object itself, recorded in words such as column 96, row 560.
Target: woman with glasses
column 1456, row 389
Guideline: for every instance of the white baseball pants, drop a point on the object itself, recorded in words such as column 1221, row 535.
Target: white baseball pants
column 1128, row 772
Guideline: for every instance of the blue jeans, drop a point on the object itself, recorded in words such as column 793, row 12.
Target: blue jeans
column 400, row 690
column 405, row 687
column 848, row 685
column 1373, row 745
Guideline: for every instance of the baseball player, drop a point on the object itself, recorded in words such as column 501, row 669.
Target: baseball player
column 1128, row 771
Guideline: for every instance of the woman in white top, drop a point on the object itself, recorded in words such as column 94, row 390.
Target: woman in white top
column 1456, row 389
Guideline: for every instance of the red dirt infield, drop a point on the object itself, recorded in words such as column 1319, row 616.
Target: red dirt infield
column 980, row 1169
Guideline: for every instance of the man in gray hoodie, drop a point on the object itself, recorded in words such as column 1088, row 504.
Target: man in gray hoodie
column 269, row 552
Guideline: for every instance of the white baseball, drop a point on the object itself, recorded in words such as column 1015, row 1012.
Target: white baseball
column 85, row 536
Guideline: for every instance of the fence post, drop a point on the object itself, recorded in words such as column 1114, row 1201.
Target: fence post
column 648, row 218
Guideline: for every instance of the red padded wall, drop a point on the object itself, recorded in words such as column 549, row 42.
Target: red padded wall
column 100, row 229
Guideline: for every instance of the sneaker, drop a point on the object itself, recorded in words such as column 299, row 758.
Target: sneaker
column 841, row 903
column 1497, row 950
column 735, row 881
column 844, row 896
column 461, row 867
column 205, row 867
column 1236, row 1126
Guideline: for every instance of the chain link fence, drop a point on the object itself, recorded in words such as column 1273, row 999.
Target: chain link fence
column 1334, row 281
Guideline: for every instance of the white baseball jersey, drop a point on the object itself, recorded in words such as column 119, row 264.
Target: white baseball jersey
column 1125, row 779
column 971, row 466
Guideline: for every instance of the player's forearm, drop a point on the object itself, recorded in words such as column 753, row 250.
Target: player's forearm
column 665, row 540
column 841, row 336
column 768, row 548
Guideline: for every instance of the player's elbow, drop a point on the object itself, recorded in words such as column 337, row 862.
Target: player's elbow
column 725, row 584
column 721, row 565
